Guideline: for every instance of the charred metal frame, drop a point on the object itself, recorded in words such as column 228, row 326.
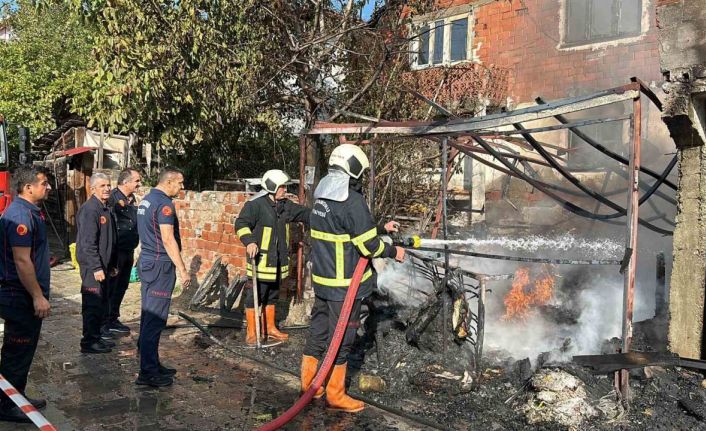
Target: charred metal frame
column 458, row 133
column 455, row 282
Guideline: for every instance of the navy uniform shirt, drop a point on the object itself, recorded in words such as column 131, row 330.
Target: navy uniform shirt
column 155, row 209
column 22, row 225
column 125, row 210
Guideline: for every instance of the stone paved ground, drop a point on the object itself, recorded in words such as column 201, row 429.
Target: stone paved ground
column 96, row 392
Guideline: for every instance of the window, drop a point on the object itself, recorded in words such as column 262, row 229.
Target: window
column 441, row 41
column 589, row 21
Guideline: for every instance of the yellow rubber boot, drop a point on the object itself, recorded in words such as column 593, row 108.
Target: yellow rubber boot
column 336, row 398
column 309, row 368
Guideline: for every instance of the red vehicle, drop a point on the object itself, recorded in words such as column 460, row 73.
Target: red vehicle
column 5, row 187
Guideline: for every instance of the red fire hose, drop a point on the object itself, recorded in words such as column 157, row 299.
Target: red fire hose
column 330, row 353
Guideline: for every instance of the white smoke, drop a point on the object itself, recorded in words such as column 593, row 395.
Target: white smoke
column 596, row 297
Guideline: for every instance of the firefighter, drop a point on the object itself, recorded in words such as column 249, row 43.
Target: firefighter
column 24, row 291
column 342, row 230
column 159, row 264
column 123, row 203
column 96, row 254
column 263, row 227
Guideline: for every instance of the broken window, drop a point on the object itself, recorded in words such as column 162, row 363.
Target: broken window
column 589, row 21
column 442, row 41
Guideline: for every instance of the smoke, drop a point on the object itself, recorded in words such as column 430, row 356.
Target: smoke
column 585, row 310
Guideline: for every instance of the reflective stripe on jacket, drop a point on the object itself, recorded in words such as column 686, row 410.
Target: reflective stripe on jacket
column 266, row 223
column 342, row 232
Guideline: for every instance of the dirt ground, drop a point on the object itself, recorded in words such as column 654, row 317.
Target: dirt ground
column 97, row 392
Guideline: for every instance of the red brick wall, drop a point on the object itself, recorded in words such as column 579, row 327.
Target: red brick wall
column 207, row 231
column 524, row 36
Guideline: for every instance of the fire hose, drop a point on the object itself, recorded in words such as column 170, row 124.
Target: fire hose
column 331, row 353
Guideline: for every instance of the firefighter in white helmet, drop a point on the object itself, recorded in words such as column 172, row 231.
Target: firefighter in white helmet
column 342, row 230
column 263, row 227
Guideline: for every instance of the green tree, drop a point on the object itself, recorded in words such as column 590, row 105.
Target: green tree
column 45, row 66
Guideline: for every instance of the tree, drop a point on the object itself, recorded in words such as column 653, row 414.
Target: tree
column 45, row 67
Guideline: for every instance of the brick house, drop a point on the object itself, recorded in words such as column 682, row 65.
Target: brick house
column 484, row 56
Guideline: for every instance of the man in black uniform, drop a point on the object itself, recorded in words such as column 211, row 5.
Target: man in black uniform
column 342, row 230
column 24, row 286
column 122, row 202
column 263, row 227
column 96, row 254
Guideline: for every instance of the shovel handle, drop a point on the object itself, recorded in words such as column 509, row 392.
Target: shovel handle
column 256, row 300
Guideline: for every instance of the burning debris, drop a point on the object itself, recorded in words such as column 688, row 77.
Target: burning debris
column 525, row 294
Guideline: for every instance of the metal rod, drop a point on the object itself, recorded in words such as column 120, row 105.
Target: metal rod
column 481, row 325
column 372, row 180
column 524, row 259
column 633, row 209
column 302, row 201
column 592, row 142
column 551, row 128
column 444, row 226
column 660, row 292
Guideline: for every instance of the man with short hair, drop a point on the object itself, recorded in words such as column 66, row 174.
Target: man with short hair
column 160, row 260
column 123, row 204
column 96, row 254
column 24, row 289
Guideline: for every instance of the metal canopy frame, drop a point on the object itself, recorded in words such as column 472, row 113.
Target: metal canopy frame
column 453, row 136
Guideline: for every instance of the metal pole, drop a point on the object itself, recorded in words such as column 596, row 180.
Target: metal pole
column 372, row 180
column 481, row 324
column 302, row 197
column 631, row 241
column 444, row 227
column 660, row 292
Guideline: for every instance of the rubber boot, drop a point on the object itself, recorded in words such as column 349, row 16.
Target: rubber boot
column 336, row 398
column 309, row 368
column 251, row 337
column 272, row 331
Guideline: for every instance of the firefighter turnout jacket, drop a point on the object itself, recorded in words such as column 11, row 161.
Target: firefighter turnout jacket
column 342, row 232
column 266, row 223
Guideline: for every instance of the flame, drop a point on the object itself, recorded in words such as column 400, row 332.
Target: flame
column 523, row 296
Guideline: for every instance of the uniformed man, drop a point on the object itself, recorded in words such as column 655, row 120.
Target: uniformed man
column 263, row 227
column 122, row 202
column 342, row 230
column 96, row 255
column 24, row 285
column 159, row 262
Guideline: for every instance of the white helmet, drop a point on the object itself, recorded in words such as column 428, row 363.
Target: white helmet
column 350, row 158
column 273, row 179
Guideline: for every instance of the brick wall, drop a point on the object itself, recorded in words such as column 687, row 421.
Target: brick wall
column 524, row 36
column 207, row 231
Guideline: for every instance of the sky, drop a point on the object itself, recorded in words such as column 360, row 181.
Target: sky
column 368, row 9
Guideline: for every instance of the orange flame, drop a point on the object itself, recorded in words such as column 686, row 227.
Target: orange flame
column 521, row 297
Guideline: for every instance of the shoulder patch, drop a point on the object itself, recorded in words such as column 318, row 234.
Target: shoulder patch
column 103, row 220
column 22, row 229
column 166, row 210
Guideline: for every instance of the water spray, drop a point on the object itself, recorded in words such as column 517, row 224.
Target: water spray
column 532, row 244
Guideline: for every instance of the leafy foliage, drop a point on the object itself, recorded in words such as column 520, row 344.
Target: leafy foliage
column 44, row 67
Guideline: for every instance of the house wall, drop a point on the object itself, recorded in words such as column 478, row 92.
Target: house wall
column 524, row 40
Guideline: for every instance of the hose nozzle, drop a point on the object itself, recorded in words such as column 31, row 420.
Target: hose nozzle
column 413, row 241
